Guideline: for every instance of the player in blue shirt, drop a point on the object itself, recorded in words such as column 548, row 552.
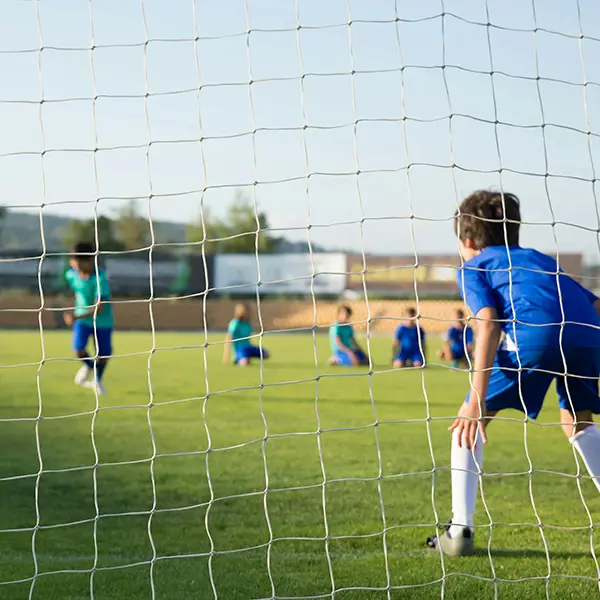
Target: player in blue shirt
column 239, row 332
column 458, row 345
column 550, row 325
column 345, row 348
column 409, row 342
column 92, row 317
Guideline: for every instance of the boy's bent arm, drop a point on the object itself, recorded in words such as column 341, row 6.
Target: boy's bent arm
column 227, row 349
column 95, row 310
column 467, row 423
column 485, row 352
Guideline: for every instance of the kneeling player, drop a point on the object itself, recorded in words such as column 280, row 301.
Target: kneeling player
column 458, row 346
column 409, row 342
column 551, row 333
column 346, row 351
column 238, row 335
column 92, row 316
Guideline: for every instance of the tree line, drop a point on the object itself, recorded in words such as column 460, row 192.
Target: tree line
column 240, row 230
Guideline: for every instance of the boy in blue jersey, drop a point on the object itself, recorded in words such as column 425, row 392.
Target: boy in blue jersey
column 92, row 317
column 551, row 326
column 409, row 342
column 345, row 348
column 458, row 345
column 239, row 331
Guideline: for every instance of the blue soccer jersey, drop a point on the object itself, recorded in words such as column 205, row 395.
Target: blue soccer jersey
column 459, row 338
column 408, row 337
column 533, row 302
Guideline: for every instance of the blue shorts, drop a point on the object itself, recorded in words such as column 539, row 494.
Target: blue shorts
column 247, row 352
column 408, row 354
column 457, row 351
column 102, row 338
column 343, row 358
column 578, row 391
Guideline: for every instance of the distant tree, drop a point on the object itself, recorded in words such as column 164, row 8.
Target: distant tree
column 85, row 230
column 132, row 230
column 236, row 232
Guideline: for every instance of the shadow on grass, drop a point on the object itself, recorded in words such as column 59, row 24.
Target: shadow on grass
column 527, row 553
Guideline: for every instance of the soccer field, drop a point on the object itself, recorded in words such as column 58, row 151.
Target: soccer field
column 183, row 509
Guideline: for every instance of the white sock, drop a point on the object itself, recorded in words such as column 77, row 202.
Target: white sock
column 465, row 465
column 587, row 443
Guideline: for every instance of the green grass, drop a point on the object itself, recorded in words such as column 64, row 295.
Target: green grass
column 166, row 502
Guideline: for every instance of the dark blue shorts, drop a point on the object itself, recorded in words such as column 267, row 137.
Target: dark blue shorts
column 408, row 354
column 457, row 351
column 102, row 338
column 578, row 391
column 247, row 352
column 343, row 358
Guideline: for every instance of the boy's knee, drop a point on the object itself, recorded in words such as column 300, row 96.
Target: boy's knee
column 573, row 424
column 81, row 353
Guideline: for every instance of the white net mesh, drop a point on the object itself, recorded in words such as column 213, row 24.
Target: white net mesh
column 270, row 151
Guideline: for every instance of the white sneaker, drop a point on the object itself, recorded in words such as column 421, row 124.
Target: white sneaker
column 97, row 386
column 82, row 376
column 460, row 545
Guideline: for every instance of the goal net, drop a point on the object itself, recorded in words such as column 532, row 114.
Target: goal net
column 287, row 156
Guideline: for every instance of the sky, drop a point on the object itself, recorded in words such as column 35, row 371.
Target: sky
column 350, row 130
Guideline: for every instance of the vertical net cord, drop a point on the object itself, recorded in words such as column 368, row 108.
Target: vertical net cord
column 424, row 388
column 597, row 208
column 471, row 365
column 319, row 432
column 150, row 306
column 558, row 285
column 388, row 580
column 588, row 124
column 204, row 310
column 40, row 314
column 96, row 258
column 258, row 308
column 510, row 280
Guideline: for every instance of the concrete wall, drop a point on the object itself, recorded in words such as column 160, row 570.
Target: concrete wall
column 186, row 314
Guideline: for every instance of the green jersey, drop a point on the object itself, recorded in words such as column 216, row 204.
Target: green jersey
column 88, row 290
column 240, row 332
column 346, row 334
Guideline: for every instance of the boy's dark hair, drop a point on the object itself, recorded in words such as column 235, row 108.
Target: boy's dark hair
column 346, row 309
column 411, row 312
column 460, row 313
column 488, row 219
column 83, row 250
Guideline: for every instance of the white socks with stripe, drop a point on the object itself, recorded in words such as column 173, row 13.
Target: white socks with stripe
column 466, row 465
column 587, row 443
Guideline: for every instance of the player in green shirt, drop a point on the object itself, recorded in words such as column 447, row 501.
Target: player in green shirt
column 345, row 348
column 239, row 331
column 92, row 317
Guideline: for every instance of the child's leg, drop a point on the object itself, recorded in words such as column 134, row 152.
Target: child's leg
column 81, row 334
column 506, row 390
column 400, row 359
column 465, row 466
column 103, row 341
column 578, row 395
column 585, row 438
column 257, row 352
column 362, row 358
